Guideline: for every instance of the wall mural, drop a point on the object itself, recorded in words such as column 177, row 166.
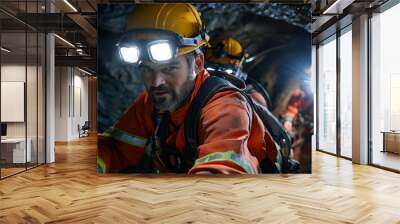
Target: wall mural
column 204, row 89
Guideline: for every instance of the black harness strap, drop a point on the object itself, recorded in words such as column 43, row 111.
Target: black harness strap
column 260, row 88
column 208, row 89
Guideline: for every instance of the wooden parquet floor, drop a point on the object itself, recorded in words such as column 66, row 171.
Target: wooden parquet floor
column 70, row 191
column 10, row 171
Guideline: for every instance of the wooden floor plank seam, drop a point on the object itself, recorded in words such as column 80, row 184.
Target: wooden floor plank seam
column 70, row 191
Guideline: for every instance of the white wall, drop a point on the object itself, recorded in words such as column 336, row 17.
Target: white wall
column 61, row 103
column 71, row 94
column 33, row 127
column 11, row 73
column 15, row 72
column 80, row 109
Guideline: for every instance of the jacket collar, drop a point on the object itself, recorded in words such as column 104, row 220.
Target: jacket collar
column 178, row 116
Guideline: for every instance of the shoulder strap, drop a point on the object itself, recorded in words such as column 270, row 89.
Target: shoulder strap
column 278, row 133
column 272, row 124
column 261, row 89
column 208, row 89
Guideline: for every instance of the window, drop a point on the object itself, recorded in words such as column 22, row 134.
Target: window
column 385, row 88
column 346, row 93
column 22, row 87
column 327, row 96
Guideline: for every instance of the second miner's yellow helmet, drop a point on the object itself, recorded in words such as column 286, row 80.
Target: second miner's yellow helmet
column 161, row 32
column 226, row 51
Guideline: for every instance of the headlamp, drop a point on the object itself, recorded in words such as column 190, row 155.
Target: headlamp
column 226, row 69
column 161, row 51
column 158, row 46
column 229, row 71
column 129, row 54
column 157, row 51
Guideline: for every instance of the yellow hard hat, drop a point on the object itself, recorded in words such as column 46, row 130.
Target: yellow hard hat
column 182, row 19
column 227, row 51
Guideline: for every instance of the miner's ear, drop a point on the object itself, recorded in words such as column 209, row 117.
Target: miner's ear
column 199, row 62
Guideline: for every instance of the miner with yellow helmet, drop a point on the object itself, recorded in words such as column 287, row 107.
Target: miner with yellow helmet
column 163, row 37
column 225, row 55
column 161, row 32
column 163, row 43
column 226, row 51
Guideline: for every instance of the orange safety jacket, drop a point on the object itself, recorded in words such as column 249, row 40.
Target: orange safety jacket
column 231, row 135
column 258, row 98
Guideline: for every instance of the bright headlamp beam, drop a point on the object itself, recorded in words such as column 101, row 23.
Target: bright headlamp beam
column 65, row 41
column 161, row 51
column 70, row 5
column 5, row 50
column 130, row 54
column 229, row 71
